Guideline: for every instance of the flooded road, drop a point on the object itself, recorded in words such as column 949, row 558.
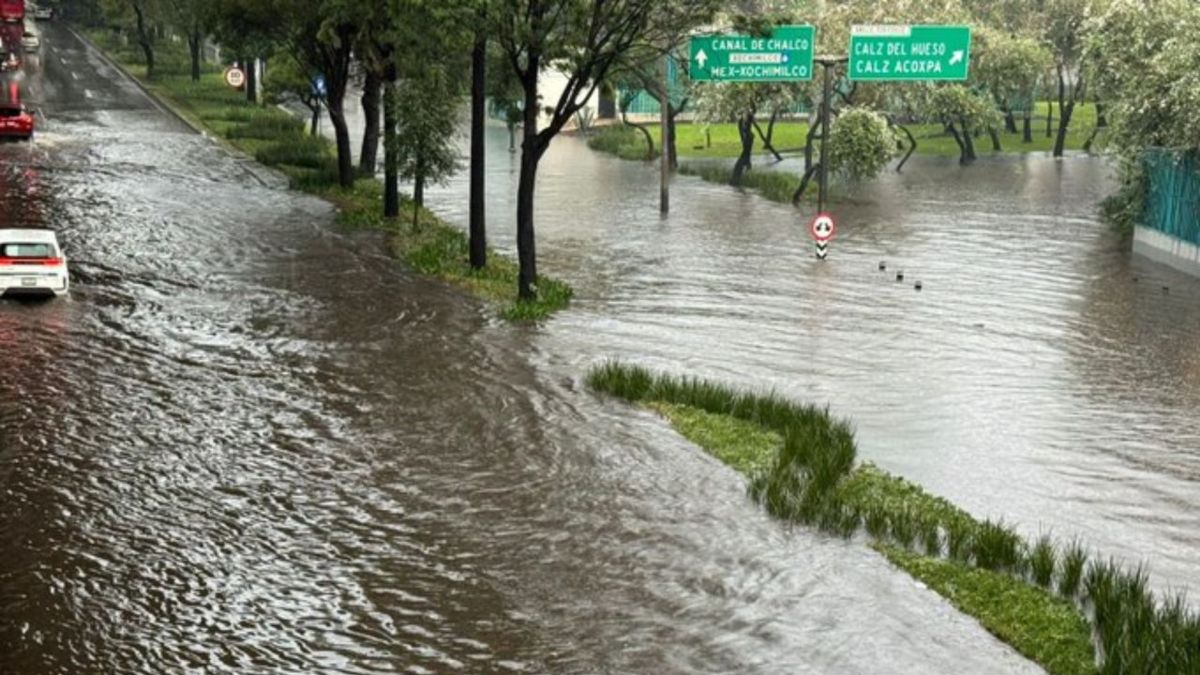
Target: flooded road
column 250, row 443
column 1042, row 376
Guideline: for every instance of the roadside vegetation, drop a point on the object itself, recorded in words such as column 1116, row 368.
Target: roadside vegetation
column 1056, row 603
column 278, row 139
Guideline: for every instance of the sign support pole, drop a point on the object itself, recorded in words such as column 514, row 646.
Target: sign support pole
column 664, row 202
column 828, row 63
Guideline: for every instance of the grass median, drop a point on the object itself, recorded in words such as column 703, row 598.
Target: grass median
column 1046, row 599
column 278, row 139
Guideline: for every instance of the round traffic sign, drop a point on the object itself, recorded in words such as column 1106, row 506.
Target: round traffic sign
column 823, row 228
column 235, row 77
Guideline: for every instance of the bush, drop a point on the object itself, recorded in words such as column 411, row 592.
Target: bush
column 861, row 144
column 269, row 127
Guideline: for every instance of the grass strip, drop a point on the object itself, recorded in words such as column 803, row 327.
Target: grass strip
column 812, row 477
column 275, row 138
column 1047, row 630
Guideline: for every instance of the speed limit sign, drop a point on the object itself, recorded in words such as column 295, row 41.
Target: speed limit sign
column 235, row 77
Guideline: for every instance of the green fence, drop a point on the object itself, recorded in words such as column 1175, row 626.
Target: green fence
column 1173, row 194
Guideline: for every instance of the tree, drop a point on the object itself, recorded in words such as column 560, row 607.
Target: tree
column 962, row 111
column 1064, row 30
column 195, row 18
column 1009, row 68
column 740, row 103
column 142, row 13
column 427, row 114
column 583, row 39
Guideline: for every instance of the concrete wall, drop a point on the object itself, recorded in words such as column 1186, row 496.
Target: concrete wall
column 1168, row 250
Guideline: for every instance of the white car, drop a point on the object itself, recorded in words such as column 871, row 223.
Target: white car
column 43, row 14
column 31, row 42
column 31, row 263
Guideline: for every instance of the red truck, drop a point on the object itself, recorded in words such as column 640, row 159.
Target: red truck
column 12, row 11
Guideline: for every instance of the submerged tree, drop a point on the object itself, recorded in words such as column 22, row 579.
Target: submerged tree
column 583, row 39
column 427, row 118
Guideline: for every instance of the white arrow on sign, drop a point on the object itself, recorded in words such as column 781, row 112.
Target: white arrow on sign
column 701, row 58
column 957, row 57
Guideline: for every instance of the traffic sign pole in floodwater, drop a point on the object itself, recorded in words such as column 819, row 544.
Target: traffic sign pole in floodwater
column 786, row 55
column 909, row 53
column 823, row 229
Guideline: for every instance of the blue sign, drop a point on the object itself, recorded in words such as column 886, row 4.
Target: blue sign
column 319, row 88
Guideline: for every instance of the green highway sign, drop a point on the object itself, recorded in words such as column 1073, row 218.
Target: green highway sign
column 892, row 53
column 784, row 56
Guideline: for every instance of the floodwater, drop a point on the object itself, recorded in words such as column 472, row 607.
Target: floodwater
column 250, row 443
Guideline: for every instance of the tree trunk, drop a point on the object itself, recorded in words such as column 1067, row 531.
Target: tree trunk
column 912, row 147
column 512, row 137
column 1101, row 117
column 368, row 158
column 810, row 142
column 1049, row 118
column 804, row 181
column 958, row 140
column 1010, row 121
column 316, row 118
column 746, row 131
column 418, row 197
column 337, row 116
column 766, row 140
column 645, row 132
column 995, row 139
column 1064, row 124
column 144, row 40
column 252, row 81
column 391, row 161
column 478, row 228
column 530, row 154
column 195, row 43
column 968, row 144
column 1027, row 127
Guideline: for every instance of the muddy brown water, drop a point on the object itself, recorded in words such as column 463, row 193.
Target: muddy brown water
column 251, row 443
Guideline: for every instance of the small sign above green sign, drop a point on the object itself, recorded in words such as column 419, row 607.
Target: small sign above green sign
column 896, row 53
column 784, row 56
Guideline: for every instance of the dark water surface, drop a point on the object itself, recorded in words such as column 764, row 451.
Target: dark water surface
column 252, row 444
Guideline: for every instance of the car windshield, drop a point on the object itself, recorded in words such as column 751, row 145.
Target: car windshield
column 10, row 112
column 27, row 251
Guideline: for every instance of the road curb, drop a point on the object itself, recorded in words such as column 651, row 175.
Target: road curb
column 266, row 176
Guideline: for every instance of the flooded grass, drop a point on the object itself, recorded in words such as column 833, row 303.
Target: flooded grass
column 278, row 140
column 1042, row 561
column 722, row 141
column 777, row 186
column 1048, row 630
column 988, row 571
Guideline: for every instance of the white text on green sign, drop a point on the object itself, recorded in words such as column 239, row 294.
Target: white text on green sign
column 883, row 53
column 784, row 56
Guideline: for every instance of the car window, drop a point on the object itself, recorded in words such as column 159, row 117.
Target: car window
column 27, row 251
column 10, row 112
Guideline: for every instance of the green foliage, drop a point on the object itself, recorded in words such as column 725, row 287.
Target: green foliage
column 959, row 105
column 861, row 143
column 1125, row 208
column 622, row 141
column 1074, row 559
column 1008, row 66
column 427, row 110
column 300, row 151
